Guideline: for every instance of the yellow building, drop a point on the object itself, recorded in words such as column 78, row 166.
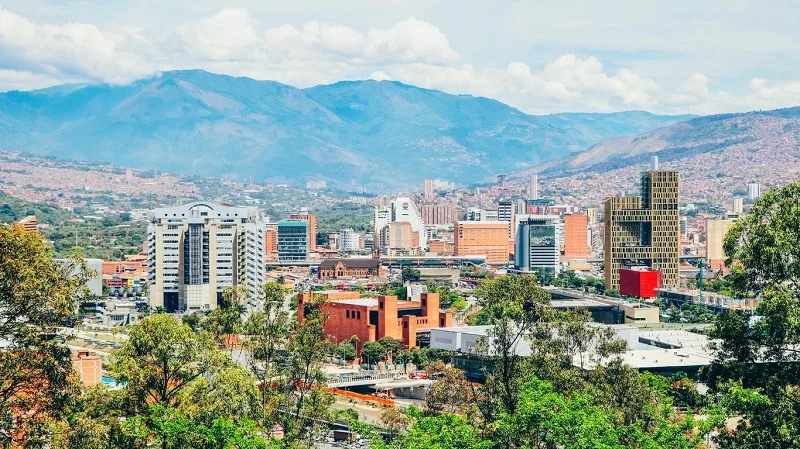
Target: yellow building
column 645, row 229
column 715, row 237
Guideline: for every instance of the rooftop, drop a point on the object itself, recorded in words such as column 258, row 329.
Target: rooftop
column 364, row 302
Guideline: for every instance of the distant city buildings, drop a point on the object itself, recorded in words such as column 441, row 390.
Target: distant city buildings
column 738, row 205
column 316, row 184
column 393, row 236
column 349, row 240
column 197, row 250
column 753, row 191
column 644, row 230
column 28, row 223
column 438, row 214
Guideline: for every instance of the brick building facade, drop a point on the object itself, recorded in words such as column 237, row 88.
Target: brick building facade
column 370, row 319
column 350, row 268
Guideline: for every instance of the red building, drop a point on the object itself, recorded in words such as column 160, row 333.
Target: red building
column 370, row 319
column 639, row 282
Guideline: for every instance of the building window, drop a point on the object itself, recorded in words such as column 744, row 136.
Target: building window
column 347, row 314
column 358, row 315
column 380, row 304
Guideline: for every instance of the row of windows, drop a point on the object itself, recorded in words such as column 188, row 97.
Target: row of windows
column 354, row 314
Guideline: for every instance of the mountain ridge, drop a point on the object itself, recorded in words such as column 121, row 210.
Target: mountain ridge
column 349, row 133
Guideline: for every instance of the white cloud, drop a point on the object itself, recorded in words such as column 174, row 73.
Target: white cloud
column 413, row 51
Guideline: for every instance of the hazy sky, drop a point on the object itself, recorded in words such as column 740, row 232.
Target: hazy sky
column 540, row 56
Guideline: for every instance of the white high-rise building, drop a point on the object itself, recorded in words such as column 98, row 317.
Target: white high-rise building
column 753, row 190
column 349, row 240
column 197, row 250
column 402, row 210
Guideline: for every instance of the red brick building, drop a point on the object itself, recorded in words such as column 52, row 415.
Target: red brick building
column 639, row 282
column 370, row 319
column 350, row 268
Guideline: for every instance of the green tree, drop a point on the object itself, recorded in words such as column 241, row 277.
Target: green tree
column 756, row 357
column 161, row 357
column 444, row 432
column 373, row 352
column 36, row 295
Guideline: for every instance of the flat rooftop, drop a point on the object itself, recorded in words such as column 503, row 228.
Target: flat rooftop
column 676, row 338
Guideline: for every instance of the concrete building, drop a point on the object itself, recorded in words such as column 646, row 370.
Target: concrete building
column 371, row 319
column 427, row 189
column 533, row 187
column 400, row 210
column 753, row 191
column 271, row 241
column 489, row 238
column 293, row 244
column 644, row 230
column 197, row 250
column 438, row 214
column 576, row 236
column 311, row 229
column 715, row 238
column 738, row 205
column 349, row 240
column 537, row 245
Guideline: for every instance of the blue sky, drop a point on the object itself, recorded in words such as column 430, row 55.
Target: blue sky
column 540, row 56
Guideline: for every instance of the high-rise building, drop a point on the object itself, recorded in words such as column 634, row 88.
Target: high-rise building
column 404, row 210
column 399, row 239
column 312, row 227
column 715, row 238
column 576, row 237
column 197, row 250
column 505, row 211
column 753, row 190
column 271, row 241
column 533, row 187
column 738, row 205
column 644, row 230
column 349, row 240
column 437, row 214
column 591, row 214
column 537, row 247
column 293, row 244
column 489, row 238
column 427, row 188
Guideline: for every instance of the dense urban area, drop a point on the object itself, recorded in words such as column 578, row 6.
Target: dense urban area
column 238, row 314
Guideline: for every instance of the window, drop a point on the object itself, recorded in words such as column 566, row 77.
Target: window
column 347, row 314
column 380, row 304
column 358, row 315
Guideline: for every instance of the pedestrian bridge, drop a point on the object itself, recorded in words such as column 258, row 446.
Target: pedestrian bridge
column 361, row 379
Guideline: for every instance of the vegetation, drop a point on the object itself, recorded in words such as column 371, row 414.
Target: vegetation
column 182, row 387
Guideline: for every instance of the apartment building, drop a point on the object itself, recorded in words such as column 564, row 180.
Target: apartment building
column 197, row 250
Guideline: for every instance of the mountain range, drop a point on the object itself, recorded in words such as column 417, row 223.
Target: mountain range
column 348, row 133
column 717, row 157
